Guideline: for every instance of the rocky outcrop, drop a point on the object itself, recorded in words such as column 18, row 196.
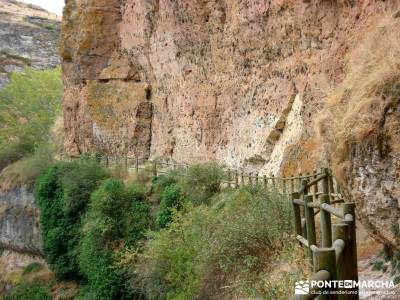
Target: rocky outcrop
column 28, row 37
column 12, row 265
column 19, row 221
column 205, row 80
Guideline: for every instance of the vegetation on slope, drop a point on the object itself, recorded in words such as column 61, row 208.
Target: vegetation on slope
column 62, row 194
column 29, row 105
column 356, row 110
column 175, row 236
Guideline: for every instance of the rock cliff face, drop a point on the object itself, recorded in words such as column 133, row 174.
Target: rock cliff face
column 239, row 82
column 28, row 37
column 19, row 221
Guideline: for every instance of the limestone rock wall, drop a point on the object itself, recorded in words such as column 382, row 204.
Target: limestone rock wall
column 19, row 221
column 239, row 82
column 28, row 37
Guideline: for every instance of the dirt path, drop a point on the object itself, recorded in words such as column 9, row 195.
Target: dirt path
column 368, row 251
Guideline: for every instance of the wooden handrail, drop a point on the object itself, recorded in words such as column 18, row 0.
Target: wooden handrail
column 337, row 255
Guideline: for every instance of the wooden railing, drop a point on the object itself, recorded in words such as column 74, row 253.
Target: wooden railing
column 334, row 256
column 232, row 178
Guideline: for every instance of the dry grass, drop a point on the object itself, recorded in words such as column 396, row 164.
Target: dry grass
column 26, row 170
column 355, row 110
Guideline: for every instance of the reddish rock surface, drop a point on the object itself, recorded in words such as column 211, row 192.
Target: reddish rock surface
column 204, row 80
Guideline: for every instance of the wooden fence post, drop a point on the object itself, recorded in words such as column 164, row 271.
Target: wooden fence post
column 291, row 185
column 340, row 231
column 155, row 168
column 331, row 187
column 284, row 185
column 250, row 179
column 236, row 179
column 297, row 214
column 315, row 189
column 310, row 221
column 300, row 179
column 273, row 180
column 137, row 165
column 242, row 176
column 325, row 259
column 256, row 178
column 326, row 224
column 303, row 209
column 351, row 250
column 265, row 181
column 229, row 178
column 107, row 162
column 325, row 181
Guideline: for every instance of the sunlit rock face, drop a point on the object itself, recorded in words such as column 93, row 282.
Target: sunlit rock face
column 238, row 82
column 28, row 37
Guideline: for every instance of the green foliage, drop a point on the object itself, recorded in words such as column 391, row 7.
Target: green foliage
column 205, row 248
column 378, row 265
column 170, row 201
column 32, row 268
column 63, row 193
column 117, row 218
column 14, row 152
column 28, row 107
column 391, row 259
column 35, row 290
column 201, row 182
column 162, row 181
column 28, row 169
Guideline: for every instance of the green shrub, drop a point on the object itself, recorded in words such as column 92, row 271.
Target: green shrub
column 159, row 183
column 29, row 105
column 201, row 182
column 170, row 201
column 207, row 248
column 63, row 193
column 117, row 218
column 14, row 152
column 32, row 268
column 35, row 290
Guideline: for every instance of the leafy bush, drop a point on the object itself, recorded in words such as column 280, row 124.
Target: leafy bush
column 201, row 182
column 29, row 105
column 162, row 181
column 207, row 248
column 14, row 152
column 117, row 218
column 170, row 200
column 32, row 268
column 35, row 290
column 63, row 193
